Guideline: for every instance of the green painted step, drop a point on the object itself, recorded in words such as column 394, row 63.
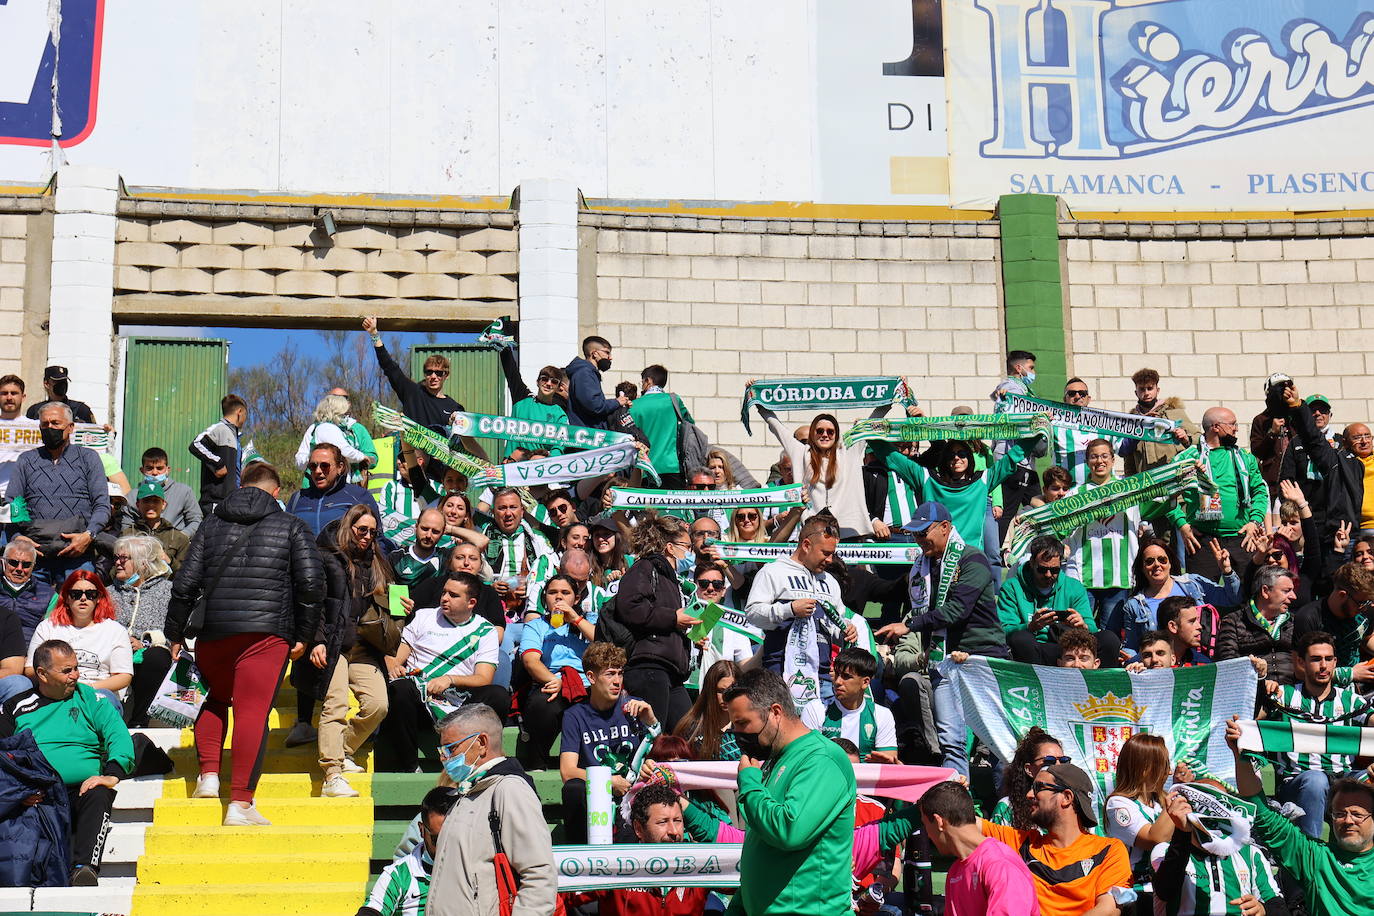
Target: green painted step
column 407, row 789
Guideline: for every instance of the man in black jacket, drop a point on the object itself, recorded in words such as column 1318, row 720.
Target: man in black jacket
column 250, row 589
column 1340, row 494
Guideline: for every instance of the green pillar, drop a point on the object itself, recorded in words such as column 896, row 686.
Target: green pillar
column 1032, row 288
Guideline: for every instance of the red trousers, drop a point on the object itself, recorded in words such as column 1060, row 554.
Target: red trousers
column 243, row 672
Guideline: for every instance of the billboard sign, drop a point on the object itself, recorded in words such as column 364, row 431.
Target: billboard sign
column 49, row 70
column 1162, row 104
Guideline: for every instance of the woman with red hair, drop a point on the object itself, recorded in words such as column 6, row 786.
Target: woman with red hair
column 84, row 617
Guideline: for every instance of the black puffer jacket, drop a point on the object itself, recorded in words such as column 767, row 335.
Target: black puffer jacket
column 275, row 585
column 345, row 601
column 647, row 603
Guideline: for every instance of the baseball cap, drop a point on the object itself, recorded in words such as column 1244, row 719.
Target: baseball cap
column 926, row 514
column 603, row 520
column 1071, row 777
column 151, row 488
column 1317, row 399
column 55, row 374
column 963, row 410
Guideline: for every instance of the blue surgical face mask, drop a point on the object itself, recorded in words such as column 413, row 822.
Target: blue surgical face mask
column 457, row 766
column 1030, row 378
column 155, row 478
column 684, row 567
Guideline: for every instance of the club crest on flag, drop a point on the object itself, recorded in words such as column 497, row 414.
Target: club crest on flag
column 1106, row 724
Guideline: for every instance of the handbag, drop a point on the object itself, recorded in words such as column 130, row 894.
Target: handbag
column 379, row 629
column 47, row 533
column 195, row 621
column 692, row 444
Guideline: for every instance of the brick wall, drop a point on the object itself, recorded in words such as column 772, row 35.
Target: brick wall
column 13, row 255
column 272, row 263
column 718, row 301
column 1217, row 315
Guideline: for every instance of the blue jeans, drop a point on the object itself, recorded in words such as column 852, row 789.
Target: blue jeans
column 1107, row 604
column 13, row 685
column 950, row 726
column 109, row 696
column 505, row 660
column 1308, row 790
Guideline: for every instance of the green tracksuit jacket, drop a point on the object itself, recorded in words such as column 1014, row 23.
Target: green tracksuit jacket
column 82, row 736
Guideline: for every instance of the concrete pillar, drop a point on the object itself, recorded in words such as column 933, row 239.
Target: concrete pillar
column 548, row 275
column 81, row 322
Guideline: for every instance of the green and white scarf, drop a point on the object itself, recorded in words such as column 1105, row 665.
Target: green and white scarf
column 1225, row 820
column 880, row 554
column 1273, row 627
column 1064, row 516
column 949, row 572
column 780, row 497
column 1211, row 510
column 1274, row 736
column 597, row 462
column 1107, row 423
column 539, row 432
column 951, row 429
column 868, row 725
column 452, row 698
column 839, row 393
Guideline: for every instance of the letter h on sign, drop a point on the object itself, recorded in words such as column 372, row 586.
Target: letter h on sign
column 1048, row 80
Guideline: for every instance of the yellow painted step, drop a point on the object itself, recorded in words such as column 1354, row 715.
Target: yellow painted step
column 303, row 759
column 229, row 842
column 305, row 865
column 273, row 785
column 249, row 899
column 317, row 812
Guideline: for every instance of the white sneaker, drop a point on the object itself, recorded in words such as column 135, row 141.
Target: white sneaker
column 239, row 816
column 207, row 786
column 337, row 787
column 301, row 733
column 351, row 766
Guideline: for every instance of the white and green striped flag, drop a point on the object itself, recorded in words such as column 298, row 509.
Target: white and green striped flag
column 1310, row 738
column 1093, row 713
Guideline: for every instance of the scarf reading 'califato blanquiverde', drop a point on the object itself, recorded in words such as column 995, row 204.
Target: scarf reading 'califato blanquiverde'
column 1106, row 422
column 883, row 554
column 840, row 393
column 538, row 432
column 951, row 429
column 1064, row 516
column 780, row 497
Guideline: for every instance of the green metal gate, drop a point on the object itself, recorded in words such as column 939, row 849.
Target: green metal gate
column 474, row 380
column 172, row 391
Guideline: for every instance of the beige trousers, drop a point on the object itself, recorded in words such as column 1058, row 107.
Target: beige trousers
column 340, row 735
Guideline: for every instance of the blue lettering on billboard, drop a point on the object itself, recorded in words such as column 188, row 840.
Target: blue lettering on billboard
column 48, row 82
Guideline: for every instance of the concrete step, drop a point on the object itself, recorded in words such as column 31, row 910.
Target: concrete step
column 264, row 868
column 342, row 841
column 141, row 794
column 327, row 899
column 303, row 812
column 113, row 895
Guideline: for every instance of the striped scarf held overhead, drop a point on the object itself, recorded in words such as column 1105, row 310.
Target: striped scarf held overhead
column 1293, row 737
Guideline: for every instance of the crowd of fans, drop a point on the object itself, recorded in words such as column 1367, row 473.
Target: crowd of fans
column 450, row 611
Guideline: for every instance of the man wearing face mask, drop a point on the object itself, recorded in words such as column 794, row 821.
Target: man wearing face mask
column 797, row 792
column 59, row 491
column 1024, row 484
column 403, row 886
column 55, row 382
column 496, row 800
column 587, row 405
column 1234, row 515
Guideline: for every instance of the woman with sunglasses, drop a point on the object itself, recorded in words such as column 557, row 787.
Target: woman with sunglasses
column 1137, row 801
column 1036, row 751
column 141, row 591
column 1154, row 580
column 542, row 405
column 84, row 617
column 831, row 473
column 356, row 576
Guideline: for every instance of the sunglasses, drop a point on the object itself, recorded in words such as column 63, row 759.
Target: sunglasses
column 1048, row 570
column 711, row 583
column 320, row 465
column 365, row 531
column 824, row 432
column 1051, row 787
column 546, row 378
column 441, row 373
column 1049, row 761
column 1076, row 394
column 12, row 563
column 1156, row 561
column 747, row 516
column 83, row 594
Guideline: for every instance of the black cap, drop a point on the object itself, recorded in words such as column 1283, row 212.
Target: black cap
column 1071, row 777
column 55, row 374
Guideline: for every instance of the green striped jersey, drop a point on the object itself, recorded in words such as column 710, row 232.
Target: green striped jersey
column 1101, row 552
column 1211, row 882
column 901, row 502
column 519, row 553
column 1068, row 448
column 1001, row 812
column 400, row 511
column 403, row 886
column 1338, row 702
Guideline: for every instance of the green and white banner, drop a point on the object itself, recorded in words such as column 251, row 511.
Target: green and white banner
column 594, row 868
column 22, row 435
column 780, row 497
column 556, row 435
column 1295, row 737
column 1093, row 713
column 1064, row 516
column 1106, row 422
column 595, row 462
column 840, row 393
column 947, row 429
column 883, row 554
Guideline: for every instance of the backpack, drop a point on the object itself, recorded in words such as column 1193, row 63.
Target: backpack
column 692, row 444
column 610, row 628
column 1211, row 625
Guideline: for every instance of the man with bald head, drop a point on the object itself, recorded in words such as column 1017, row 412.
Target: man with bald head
column 588, row 596
column 1233, row 515
column 423, row 559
